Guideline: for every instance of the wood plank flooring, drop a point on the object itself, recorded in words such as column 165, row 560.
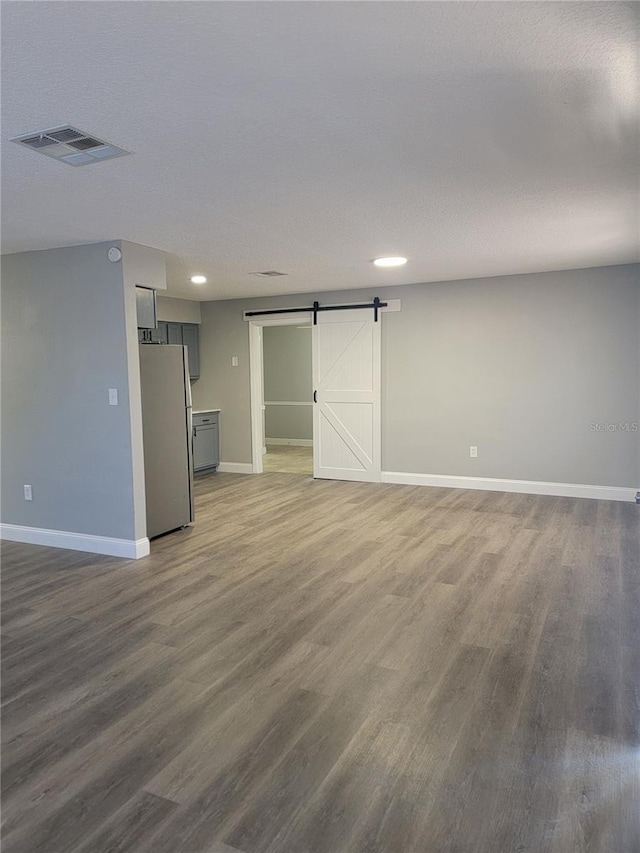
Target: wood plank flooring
column 288, row 459
column 327, row 667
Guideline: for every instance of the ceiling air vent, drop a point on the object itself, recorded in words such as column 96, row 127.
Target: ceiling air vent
column 83, row 144
column 70, row 145
column 67, row 134
column 268, row 273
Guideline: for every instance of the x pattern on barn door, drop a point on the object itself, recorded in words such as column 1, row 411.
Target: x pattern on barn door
column 346, row 365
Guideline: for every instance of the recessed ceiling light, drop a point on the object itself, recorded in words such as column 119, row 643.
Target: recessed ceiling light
column 198, row 279
column 390, row 262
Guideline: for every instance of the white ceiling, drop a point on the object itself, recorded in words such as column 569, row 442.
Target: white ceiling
column 477, row 139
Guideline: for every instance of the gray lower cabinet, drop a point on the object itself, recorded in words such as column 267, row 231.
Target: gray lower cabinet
column 206, row 441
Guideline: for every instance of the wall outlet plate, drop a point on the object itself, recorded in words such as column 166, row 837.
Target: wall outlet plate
column 473, row 451
column 28, row 493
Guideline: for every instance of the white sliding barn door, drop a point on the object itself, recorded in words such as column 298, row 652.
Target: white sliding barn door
column 346, row 379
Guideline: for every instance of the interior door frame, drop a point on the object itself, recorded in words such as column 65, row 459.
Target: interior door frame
column 256, row 373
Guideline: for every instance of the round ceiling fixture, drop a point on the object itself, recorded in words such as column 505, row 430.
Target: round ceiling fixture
column 390, row 262
column 198, row 279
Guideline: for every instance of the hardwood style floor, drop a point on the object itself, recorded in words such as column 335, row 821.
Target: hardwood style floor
column 326, row 667
column 288, row 459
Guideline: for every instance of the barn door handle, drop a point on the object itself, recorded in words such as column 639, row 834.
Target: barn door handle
column 315, row 396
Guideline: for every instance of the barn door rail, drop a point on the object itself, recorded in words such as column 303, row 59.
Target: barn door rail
column 375, row 304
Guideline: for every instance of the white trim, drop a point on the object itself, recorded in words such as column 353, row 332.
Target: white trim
column 256, row 396
column 288, row 403
column 279, row 320
column 528, row 487
column 236, row 467
column 130, row 548
column 393, row 306
column 297, row 442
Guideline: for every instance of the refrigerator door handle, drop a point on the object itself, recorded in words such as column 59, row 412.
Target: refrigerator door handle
column 191, row 432
column 187, row 378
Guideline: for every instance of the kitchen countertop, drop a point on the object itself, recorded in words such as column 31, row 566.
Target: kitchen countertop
column 204, row 411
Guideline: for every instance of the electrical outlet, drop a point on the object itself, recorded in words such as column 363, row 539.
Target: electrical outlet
column 113, row 396
column 234, row 361
column 28, row 493
column 473, row 451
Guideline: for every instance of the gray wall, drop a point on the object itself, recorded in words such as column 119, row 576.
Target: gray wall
column 223, row 334
column 68, row 332
column 287, row 378
column 519, row 365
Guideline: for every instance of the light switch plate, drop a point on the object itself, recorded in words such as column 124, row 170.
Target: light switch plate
column 113, row 396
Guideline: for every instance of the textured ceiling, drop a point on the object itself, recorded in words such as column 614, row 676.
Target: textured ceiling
column 477, row 139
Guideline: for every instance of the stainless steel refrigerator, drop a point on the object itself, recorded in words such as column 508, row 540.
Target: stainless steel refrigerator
column 166, row 432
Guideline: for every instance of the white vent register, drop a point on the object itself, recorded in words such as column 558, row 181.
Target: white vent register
column 70, row 145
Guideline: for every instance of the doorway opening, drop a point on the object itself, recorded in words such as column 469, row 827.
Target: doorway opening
column 281, row 395
column 288, row 459
column 288, row 399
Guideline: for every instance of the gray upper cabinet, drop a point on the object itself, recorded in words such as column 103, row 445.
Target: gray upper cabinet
column 190, row 339
column 153, row 336
column 146, row 313
column 174, row 333
column 183, row 334
column 146, row 308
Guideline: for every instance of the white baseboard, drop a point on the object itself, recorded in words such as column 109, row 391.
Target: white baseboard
column 131, row 548
column 297, row 442
column 528, row 487
column 235, row 468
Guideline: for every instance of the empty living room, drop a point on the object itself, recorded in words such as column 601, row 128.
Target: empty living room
column 320, row 426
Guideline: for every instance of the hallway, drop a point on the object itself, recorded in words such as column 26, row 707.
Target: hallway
column 288, row 459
